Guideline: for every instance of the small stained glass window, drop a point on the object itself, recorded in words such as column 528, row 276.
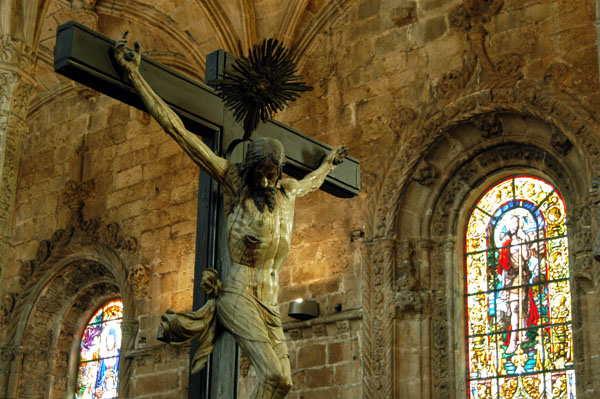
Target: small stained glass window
column 519, row 325
column 98, row 373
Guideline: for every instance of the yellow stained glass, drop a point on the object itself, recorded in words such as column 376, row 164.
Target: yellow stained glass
column 518, row 299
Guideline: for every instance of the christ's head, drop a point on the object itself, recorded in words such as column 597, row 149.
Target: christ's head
column 514, row 223
column 261, row 171
column 264, row 160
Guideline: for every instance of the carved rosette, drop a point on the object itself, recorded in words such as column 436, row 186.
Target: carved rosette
column 425, row 174
column 490, row 125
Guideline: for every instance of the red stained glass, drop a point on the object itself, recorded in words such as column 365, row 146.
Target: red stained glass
column 98, row 373
column 518, row 298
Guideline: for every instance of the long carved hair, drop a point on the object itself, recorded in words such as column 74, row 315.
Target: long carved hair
column 259, row 151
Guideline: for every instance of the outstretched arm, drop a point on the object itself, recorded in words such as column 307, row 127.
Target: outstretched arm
column 200, row 153
column 314, row 180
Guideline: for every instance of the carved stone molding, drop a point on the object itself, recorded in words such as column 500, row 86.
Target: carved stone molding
column 378, row 327
column 84, row 11
column 16, row 53
column 470, row 18
column 79, row 231
column 483, row 108
column 6, row 307
column 574, row 121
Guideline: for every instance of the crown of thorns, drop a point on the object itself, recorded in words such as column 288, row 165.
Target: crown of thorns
column 260, row 84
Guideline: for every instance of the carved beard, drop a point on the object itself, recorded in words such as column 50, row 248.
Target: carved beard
column 261, row 197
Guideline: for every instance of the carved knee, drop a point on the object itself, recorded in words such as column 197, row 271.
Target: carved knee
column 273, row 379
column 285, row 386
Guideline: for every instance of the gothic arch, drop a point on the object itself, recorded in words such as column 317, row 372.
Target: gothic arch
column 56, row 300
column 73, row 272
column 416, row 225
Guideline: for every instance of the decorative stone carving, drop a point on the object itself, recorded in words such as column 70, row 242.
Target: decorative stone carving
column 139, row 277
column 559, row 74
column 81, row 230
column 26, row 271
column 560, row 143
column 85, row 12
column 403, row 118
column 6, row 307
column 378, row 320
column 595, row 197
column 472, row 13
column 510, row 65
column 15, row 52
column 489, row 124
column 75, row 195
column 425, row 174
column 453, row 81
column 408, row 299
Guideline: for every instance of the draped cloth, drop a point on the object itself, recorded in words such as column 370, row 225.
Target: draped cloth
column 238, row 310
column 504, row 263
column 181, row 328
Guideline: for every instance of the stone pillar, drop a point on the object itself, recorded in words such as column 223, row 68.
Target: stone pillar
column 16, row 87
column 129, row 329
column 11, row 358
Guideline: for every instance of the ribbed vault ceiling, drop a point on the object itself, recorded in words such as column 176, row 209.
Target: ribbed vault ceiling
column 180, row 33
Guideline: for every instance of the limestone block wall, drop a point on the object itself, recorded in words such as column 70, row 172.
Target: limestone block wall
column 388, row 76
column 143, row 182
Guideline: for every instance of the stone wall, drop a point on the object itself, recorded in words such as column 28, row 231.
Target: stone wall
column 417, row 90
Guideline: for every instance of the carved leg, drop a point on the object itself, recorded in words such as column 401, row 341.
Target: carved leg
column 284, row 360
column 273, row 373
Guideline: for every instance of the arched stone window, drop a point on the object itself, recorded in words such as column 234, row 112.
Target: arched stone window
column 518, row 296
column 98, row 371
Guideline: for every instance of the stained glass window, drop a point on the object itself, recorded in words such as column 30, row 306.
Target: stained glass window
column 519, row 331
column 98, row 373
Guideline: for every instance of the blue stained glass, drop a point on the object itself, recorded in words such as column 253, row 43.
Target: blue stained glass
column 98, row 374
column 518, row 299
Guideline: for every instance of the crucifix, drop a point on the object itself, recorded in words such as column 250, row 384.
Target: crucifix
column 89, row 58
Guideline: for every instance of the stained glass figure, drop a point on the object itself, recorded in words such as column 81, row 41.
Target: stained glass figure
column 519, row 333
column 98, row 375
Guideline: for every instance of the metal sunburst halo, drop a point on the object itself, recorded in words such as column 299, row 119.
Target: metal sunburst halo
column 260, row 84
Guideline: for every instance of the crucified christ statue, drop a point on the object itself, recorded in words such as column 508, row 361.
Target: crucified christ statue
column 259, row 205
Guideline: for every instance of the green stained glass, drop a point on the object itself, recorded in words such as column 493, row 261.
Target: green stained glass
column 518, row 298
column 98, row 373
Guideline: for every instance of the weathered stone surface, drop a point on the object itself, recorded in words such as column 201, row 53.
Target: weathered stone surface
column 413, row 88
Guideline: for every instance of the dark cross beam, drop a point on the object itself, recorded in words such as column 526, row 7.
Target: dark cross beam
column 86, row 56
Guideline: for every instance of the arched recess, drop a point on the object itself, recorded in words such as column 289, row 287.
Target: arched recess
column 70, row 277
column 414, row 291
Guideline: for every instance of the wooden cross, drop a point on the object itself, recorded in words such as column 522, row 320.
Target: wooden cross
column 86, row 56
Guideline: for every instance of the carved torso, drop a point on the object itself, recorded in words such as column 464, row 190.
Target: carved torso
column 259, row 243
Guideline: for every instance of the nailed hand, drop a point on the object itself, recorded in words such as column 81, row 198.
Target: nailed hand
column 128, row 59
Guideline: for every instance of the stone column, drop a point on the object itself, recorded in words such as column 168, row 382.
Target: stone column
column 129, row 329
column 16, row 87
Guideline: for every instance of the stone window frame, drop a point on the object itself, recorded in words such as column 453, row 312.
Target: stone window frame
column 74, row 356
column 413, row 244
column 73, row 279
